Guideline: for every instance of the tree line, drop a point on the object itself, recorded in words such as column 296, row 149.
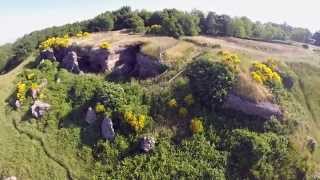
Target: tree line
column 168, row 22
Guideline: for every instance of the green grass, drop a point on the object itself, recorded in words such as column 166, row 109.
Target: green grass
column 20, row 155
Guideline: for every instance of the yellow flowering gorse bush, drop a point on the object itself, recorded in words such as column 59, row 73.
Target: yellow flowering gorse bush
column 82, row 34
column 100, row 108
column 263, row 74
column 21, row 91
column 34, row 86
column 230, row 59
column 55, row 42
column 105, row 45
column 196, row 126
column 137, row 122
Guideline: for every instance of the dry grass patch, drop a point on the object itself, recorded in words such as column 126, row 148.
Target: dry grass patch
column 247, row 88
column 180, row 51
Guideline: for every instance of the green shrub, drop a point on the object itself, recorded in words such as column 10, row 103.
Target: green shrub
column 210, row 81
column 111, row 95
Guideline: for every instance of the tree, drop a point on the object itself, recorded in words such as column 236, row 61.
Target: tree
column 300, row 35
column 156, row 18
column 202, row 19
column 238, row 29
column 316, row 37
column 145, row 15
column 211, row 24
column 121, row 16
column 189, row 24
column 171, row 27
column 247, row 24
column 103, row 22
column 136, row 23
column 224, row 27
column 257, row 30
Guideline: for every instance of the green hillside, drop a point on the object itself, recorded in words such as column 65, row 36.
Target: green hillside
column 164, row 102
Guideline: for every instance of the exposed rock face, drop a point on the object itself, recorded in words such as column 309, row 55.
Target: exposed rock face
column 91, row 116
column 48, row 54
column 263, row 109
column 38, row 109
column 107, row 130
column 147, row 66
column 147, row 144
column 70, row 62
column 120, row 60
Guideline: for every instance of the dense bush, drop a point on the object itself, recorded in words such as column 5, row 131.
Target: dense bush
column 210, row 81
column 262, row 156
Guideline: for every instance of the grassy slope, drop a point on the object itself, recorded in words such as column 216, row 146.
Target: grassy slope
column 19, row 154
column 45, row 155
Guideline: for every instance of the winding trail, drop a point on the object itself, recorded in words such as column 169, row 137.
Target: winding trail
column 6, row 88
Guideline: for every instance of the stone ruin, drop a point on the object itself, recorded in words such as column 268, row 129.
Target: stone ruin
column 124, row 59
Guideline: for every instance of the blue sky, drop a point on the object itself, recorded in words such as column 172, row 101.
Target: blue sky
column 19, row 17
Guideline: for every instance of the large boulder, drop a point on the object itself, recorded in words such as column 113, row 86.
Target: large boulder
column 38, row 109
column 263, row 110
column 91, row 116
column 147, row 144
column 48, row 54
column 107, row 130
column 70, row 62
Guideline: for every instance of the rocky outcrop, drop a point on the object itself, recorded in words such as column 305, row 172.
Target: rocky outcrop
column 107, row 130
column 147, row 144
column 147, row 66
column 263, row 110
column 91, row 116
column 70, row 62
column 120, row 60
column 38, row 109
column 48, row 54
